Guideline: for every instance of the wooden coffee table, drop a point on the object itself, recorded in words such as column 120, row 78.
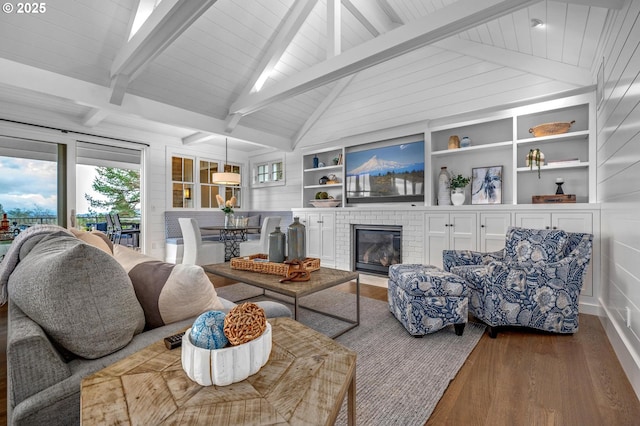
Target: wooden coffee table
column 321, row 279
column 305, row 381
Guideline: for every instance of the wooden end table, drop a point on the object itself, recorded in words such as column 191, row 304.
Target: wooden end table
column 305, row 381
column 321, row 279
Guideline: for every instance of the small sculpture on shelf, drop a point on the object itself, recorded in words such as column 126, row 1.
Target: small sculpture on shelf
column 559, row 182
column 535, row 156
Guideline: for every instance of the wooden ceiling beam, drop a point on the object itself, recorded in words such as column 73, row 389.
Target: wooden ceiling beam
column 434, row 27
column 170, row 19
column 81, row 92
column 528, row 63
column 94, row 117
column 283, row 37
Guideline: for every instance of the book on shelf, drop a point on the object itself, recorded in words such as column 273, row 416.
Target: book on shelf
column 564, row 162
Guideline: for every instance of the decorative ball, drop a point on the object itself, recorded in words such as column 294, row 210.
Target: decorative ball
column 207, row 331
column 244, row 323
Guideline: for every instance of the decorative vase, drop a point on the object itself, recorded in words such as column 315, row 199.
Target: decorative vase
column 295, row 235
column 454, row 142
column 465, row 142
column 229, row 220
column 444, row 199
column 276, row 246
column 315, row 161
column 457, row 196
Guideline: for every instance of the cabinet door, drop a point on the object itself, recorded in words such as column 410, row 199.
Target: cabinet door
column 327, row 239
column 463, row 231
column 493, row 230
column 572, row 222
column 314, row 235
column 436, row 237
column 533, row 220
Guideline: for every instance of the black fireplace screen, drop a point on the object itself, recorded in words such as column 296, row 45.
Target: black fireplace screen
column 376, row 248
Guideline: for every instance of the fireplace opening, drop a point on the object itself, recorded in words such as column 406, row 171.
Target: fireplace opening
column 376, row 247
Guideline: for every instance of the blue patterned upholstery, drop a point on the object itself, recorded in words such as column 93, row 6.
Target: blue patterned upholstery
column 523, row 288
column 425, row 298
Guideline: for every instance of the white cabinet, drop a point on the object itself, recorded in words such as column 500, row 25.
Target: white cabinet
column 316, row 167
column 443, row 231
column 567, row 221
column 493, row 230
column 320, row 236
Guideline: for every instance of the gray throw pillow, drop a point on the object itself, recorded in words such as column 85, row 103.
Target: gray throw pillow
column 80, row 295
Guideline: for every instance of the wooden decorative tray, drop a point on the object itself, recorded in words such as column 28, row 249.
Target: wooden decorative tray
column 553, row 199
column 249, row 263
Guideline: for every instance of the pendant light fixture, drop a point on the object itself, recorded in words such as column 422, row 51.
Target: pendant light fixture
column 227, row 177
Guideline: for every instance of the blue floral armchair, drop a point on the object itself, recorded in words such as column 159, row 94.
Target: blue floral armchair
column 534, row 282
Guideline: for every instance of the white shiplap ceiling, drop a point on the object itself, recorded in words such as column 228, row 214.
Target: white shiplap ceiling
column 331, row 69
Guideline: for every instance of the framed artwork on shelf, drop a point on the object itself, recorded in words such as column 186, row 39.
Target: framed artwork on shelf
column 486, row 185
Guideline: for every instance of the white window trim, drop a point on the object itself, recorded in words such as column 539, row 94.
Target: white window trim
column 269, row 182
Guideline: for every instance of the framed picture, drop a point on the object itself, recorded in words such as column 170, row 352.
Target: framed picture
column 486, row 185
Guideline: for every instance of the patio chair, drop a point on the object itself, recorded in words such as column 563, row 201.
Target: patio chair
column 534, row 282
column 119, row 230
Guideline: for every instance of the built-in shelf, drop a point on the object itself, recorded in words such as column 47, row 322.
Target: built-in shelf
column 327, row 168
column 563, row 166
column 483, row 147
column 583, row 134
column 334, row 185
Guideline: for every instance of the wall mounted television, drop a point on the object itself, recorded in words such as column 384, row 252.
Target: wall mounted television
column 385, row 172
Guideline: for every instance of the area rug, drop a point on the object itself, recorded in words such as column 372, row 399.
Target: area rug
column 399, row 378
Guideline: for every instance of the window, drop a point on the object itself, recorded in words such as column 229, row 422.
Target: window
column 182, row 182
column 269, row 173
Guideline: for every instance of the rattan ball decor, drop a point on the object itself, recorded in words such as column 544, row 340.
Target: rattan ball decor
column 244, row 323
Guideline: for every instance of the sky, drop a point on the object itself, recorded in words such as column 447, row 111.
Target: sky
column 27, row 184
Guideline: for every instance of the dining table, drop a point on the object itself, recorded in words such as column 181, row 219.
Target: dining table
column 231, row 236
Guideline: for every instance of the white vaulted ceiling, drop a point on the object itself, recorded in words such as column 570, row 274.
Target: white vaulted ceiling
column 191, row 69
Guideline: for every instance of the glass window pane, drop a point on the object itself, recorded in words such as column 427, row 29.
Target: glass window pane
column 176, row 168
column 188, row 170
column 176, row 197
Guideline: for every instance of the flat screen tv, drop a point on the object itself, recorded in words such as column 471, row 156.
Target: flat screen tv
column 385, row 174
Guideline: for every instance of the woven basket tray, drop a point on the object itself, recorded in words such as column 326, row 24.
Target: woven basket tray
column 548, row 129
column 283, row 269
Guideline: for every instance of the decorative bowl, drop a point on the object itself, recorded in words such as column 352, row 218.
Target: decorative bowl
column 548, row 129
column 325, row 203
column 222, row 367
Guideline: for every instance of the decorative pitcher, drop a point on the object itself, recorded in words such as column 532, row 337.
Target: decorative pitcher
column 276, row 246
column 296, row 234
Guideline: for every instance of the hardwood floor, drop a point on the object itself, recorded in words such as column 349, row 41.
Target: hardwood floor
column 522, row 377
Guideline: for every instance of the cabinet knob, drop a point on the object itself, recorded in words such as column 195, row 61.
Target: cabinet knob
column 555, row 227
column 446, row 224
column 451, row 225
column 481, row 226
column 546, row 227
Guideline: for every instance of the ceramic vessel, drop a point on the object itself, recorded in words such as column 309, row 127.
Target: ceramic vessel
column 454, row 142
column 465, row 142
column 457, row 196
column 222, row 367
column 444, row 198
column 295, row 235
column 276, row 246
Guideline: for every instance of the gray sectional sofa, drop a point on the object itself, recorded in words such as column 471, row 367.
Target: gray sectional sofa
column 76, row 307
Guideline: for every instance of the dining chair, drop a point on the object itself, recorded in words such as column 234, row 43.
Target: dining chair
column 269, row 224
column 196, row 251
